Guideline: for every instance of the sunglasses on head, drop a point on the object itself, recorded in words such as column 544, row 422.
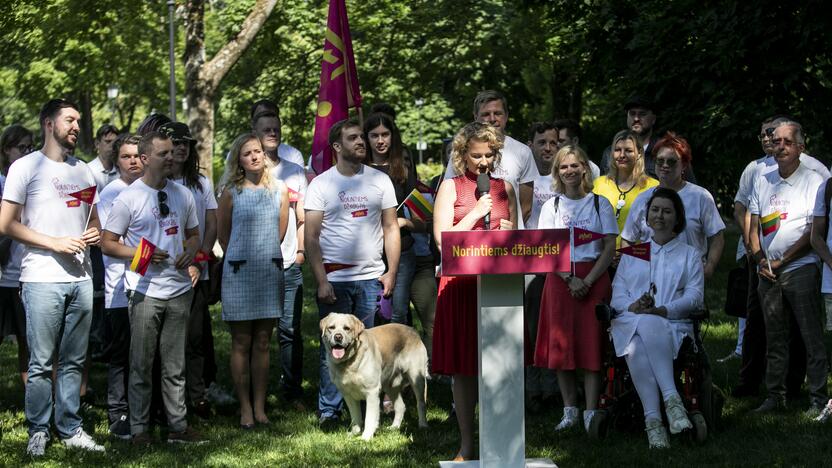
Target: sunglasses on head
column 164, row 209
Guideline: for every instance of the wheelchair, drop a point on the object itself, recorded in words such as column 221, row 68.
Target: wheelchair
column 619, row 406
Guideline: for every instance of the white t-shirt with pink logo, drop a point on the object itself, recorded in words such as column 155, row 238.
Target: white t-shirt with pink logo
column 351, row 235
column 43, row 186
column 135, row 214
column 580, row 214
column 543, row 191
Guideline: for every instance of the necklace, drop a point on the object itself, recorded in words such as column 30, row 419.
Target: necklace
column 622, row 197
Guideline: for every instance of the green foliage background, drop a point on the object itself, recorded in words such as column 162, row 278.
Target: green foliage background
column 716, row 68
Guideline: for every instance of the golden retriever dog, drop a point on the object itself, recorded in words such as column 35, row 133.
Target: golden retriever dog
column 363, row 363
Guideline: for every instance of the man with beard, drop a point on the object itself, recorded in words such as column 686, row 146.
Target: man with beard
column 39, row 211
column 641, row 120
column 350, row 216
column 160, row 212
column 266, row 126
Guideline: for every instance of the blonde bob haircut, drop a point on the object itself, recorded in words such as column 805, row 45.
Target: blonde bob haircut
column 639, row 175
column 479, row 132
column 235, row 175
column 580, row 155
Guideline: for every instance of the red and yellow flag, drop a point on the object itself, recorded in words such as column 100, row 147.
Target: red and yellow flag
column 641, row 251
column 86, row 195
column 338, row 90
column 141, row 259
column 583, row 236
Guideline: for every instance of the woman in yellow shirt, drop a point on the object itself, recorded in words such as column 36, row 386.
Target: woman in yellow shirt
column 625, row 179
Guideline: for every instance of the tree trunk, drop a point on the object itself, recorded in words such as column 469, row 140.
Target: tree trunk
column 86, row 136
column 202, row 79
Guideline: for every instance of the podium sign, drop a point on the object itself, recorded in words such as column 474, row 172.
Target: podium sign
column 501, row 258
column 505, row 252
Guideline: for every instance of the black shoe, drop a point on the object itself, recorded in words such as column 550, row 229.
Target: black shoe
column 120, row 428
column 202, row 409
column 771, row 404
column 329, row 423
column 744, row 391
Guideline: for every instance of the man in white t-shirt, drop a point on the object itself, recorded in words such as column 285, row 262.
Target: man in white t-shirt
column 266, row 125
column 130, row 168
column 164, row 213
column 569, row 134
column 56, row 227
column 103, row 166
column 541, row 384
column 781, row 206
column 285, row 151
column 350, row 218
column 516, row 163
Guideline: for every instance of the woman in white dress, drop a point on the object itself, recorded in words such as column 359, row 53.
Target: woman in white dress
column 654, row 300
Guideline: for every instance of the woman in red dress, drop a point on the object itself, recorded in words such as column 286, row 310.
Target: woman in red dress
column 476, row 150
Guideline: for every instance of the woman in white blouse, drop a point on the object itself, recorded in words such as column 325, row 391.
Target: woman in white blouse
column 654, row 300
column 704, row 226
column 568, row 334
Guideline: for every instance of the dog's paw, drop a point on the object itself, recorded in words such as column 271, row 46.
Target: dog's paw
column 355, row 430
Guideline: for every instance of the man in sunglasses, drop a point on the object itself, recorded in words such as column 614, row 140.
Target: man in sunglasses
column 752, row 369
column 162, row 213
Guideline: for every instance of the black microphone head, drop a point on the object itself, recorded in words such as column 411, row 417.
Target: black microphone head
column 483, row 183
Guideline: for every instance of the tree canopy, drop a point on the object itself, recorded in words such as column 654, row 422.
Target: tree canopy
column 715, row 68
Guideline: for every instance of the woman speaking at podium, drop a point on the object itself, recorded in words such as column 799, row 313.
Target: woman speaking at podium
column 471, row 201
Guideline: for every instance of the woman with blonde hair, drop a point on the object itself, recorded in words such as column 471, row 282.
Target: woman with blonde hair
column 626, row 178
column 252, row 218
column 568, row 334
column 476, row 150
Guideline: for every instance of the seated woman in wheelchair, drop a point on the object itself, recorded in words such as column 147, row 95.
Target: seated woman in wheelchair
column 653, row 300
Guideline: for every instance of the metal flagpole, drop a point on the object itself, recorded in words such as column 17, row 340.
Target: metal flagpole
column 171, row 5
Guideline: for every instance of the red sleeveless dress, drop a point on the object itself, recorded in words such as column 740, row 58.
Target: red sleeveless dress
column 455, row 326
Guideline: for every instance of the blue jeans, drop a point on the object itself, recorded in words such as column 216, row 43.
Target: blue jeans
column 359, row 298
column 401, row 293
column 58, row 317
column 289, row 333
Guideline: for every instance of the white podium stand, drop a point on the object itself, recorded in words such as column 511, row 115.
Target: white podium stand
column 501, row 382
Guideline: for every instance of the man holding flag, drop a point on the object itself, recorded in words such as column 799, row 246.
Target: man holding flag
column 157, row 220
column 781, row 219
column 48, row 206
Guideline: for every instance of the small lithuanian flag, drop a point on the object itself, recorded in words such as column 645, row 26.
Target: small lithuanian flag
column 419, row 205
column 141, row 259
column 770, row 223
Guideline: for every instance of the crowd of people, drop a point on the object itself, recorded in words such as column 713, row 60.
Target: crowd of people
column 115, row 260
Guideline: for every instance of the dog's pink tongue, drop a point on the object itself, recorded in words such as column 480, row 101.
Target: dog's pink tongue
column 337, row 353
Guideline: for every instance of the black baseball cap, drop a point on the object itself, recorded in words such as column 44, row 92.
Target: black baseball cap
column 640, row 101
column 177, row 131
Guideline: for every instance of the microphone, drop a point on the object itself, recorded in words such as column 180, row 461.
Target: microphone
column 483, row 187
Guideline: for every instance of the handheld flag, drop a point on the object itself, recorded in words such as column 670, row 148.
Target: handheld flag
column 338, row 89
column 582, row 236
column 87, row 196
column 141, row 259
column 294, row 195
column 418, row 205
column 201, row 256
column 771, row 223
column 641, row 251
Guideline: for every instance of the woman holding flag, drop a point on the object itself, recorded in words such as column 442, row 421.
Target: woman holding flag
column 388, row 156
column 568, row 334
column 461, row 206
column 251, row 206
column 658, row 286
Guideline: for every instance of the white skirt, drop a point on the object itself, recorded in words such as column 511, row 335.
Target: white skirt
column 624, row 327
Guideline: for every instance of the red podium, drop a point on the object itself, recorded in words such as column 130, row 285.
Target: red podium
column 500, row 259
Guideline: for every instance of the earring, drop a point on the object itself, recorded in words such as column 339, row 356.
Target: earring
column 241, row 170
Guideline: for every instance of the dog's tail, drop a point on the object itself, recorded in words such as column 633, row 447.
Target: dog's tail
column 427, row 379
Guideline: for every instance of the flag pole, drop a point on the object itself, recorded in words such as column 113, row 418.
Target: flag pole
column 89, row 215
column 765, row 252
column 572, row 249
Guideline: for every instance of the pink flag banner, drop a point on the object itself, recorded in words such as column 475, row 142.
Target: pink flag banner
column 339, row 89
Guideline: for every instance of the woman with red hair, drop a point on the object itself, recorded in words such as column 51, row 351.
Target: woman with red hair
column 704, row 228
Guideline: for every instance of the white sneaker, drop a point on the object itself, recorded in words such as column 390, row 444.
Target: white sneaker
column 677, row 417
column 588, row 415
column 82, row 440
column 826, row 412
column 569, row 419
column 216, row 395
column 37, row 444
column 656, row 434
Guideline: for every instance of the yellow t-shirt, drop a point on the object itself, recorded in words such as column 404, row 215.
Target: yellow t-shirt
column 605, row 187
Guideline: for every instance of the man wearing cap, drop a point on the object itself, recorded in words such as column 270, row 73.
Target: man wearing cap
column 641, row 120
column 199, row 350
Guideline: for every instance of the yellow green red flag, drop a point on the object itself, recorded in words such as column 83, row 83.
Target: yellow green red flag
column 770, row 223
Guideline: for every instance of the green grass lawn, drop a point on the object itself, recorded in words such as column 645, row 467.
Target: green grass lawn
column 293, row 439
